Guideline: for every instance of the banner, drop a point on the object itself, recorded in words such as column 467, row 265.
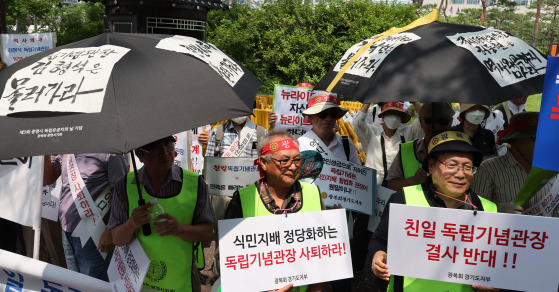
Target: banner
column 289, row 103
column 21, row 180
column 269, row 252
column 196, row 156
column 15, row 47
column 128, row 267
column 496, row 250
column 547, row 141
column 382, row 196
column 20, row 273
column 225, row 175
column 51, row 200
column 346, row 183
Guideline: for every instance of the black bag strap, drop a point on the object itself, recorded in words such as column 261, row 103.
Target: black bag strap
column 345, row 141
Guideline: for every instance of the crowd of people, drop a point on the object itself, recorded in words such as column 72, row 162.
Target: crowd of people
column 465, row 170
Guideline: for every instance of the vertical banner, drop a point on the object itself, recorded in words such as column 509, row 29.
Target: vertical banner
column 289, row 103
column 491, row 249
column 15, row 47
column 196, row 156
column 128, row 267
column 51, row 200
column 547, row 140
column 349, row 184
column 20, row 181
column 225, row 175
column 269, row 252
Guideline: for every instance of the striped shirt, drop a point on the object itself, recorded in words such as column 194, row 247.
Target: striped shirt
column 203, row 212
column 500, row 179
column 229, row 136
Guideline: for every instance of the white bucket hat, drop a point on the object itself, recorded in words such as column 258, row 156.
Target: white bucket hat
column 323, row 100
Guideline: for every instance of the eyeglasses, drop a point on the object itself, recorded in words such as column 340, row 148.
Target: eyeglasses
column 159, row 149
column 452, row 167
column 440, row 121
column 285, row 163
column 324, row 114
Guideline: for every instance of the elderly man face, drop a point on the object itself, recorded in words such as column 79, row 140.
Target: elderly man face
column 160, row 158
column 283, row 167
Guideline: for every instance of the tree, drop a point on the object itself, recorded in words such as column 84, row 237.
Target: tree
column 289, row 41
column 23, row 13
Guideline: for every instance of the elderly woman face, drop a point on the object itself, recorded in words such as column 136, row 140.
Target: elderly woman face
column 452, row 172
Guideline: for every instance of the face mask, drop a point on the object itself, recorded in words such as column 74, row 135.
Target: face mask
column 475, row 117
column 239, row 120
column 392, row 122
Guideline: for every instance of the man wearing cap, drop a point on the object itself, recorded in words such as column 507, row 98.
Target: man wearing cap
column 500, row 179
column 510, row 108
column 381, row 144
column 472, row 115
column 187, row 216
column 278, row 191
column 451, row 162
column 406, row 169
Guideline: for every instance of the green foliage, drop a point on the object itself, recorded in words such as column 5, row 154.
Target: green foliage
column 79, row 21
column 288, row 42
column 22, row 13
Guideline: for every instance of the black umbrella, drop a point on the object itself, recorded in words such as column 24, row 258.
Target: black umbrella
column 420, row 63
column 69, row 100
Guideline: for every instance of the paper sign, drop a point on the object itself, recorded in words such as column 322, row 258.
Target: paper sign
column 70, row 80
column 51, row 200
column 366, row 64
column 507, row 58
column 490, row 249
column 225, row 175
column 228, row 69
column 266, row 253
column 20, row 273
column 15, row 47
column 346, row 183
column 545, row 150
column 128, row 267
column 382, row 196
column 289, row 103
column 196, row 156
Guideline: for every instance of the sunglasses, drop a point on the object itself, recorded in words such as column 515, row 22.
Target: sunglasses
column 326, row 113
column 440, row 121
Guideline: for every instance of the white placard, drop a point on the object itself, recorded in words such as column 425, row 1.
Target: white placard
column 546, row 205
column 382, row 196
column 128, row 267
column 20, row 181
column 265, row 253
column 346, row 183
column 226, row 67
column 20, row 273
column 369, row 61
column 51, row 200
column 225, row 175
column 70, row 80
column 289, row 103
column 496, row 250
column 196, row 156
column 507, row 58
column 15, row 47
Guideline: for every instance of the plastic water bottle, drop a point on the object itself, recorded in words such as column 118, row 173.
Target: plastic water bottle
column 156, row 210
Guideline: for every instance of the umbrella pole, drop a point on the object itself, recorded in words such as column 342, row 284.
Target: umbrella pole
column 145, row 228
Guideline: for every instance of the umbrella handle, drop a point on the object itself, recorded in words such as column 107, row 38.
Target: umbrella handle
column 146, row 229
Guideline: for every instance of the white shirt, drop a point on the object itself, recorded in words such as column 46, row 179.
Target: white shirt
column 370, row 139
column 337, row 148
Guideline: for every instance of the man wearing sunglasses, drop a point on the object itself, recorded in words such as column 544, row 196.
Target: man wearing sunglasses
column 187, row 216
column 406, row 169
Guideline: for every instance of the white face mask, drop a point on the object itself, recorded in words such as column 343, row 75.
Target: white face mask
column 239, row 120
column 475, row 117
column 392, row 122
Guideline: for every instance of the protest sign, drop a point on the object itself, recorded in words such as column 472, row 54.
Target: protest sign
column 489, row 249
column 382, row 195
column 196, row 155
column 15, row 47
column 20, row 273
column 70, row 80
column 128, row 267
column 495, row 49
column 269, row 252
column 225, row 175
column 21, row 181
column 289, row 103
column 51, row 200
column 347, row 183
column 545, row 150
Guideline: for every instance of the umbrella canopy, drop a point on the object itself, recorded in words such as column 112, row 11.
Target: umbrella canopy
column 115, row 92
column 438, row 62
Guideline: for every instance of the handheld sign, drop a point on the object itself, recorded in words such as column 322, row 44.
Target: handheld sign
column 15, row 47
column 289, row 103
column 225, row 175
column 128, row 267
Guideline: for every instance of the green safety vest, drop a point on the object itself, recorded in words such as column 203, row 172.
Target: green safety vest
column 171, row 257
column 415, row 197
column 253, row 206
column 410, row 163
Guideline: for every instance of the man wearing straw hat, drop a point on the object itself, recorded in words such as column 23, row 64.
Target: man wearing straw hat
column 500, row 179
